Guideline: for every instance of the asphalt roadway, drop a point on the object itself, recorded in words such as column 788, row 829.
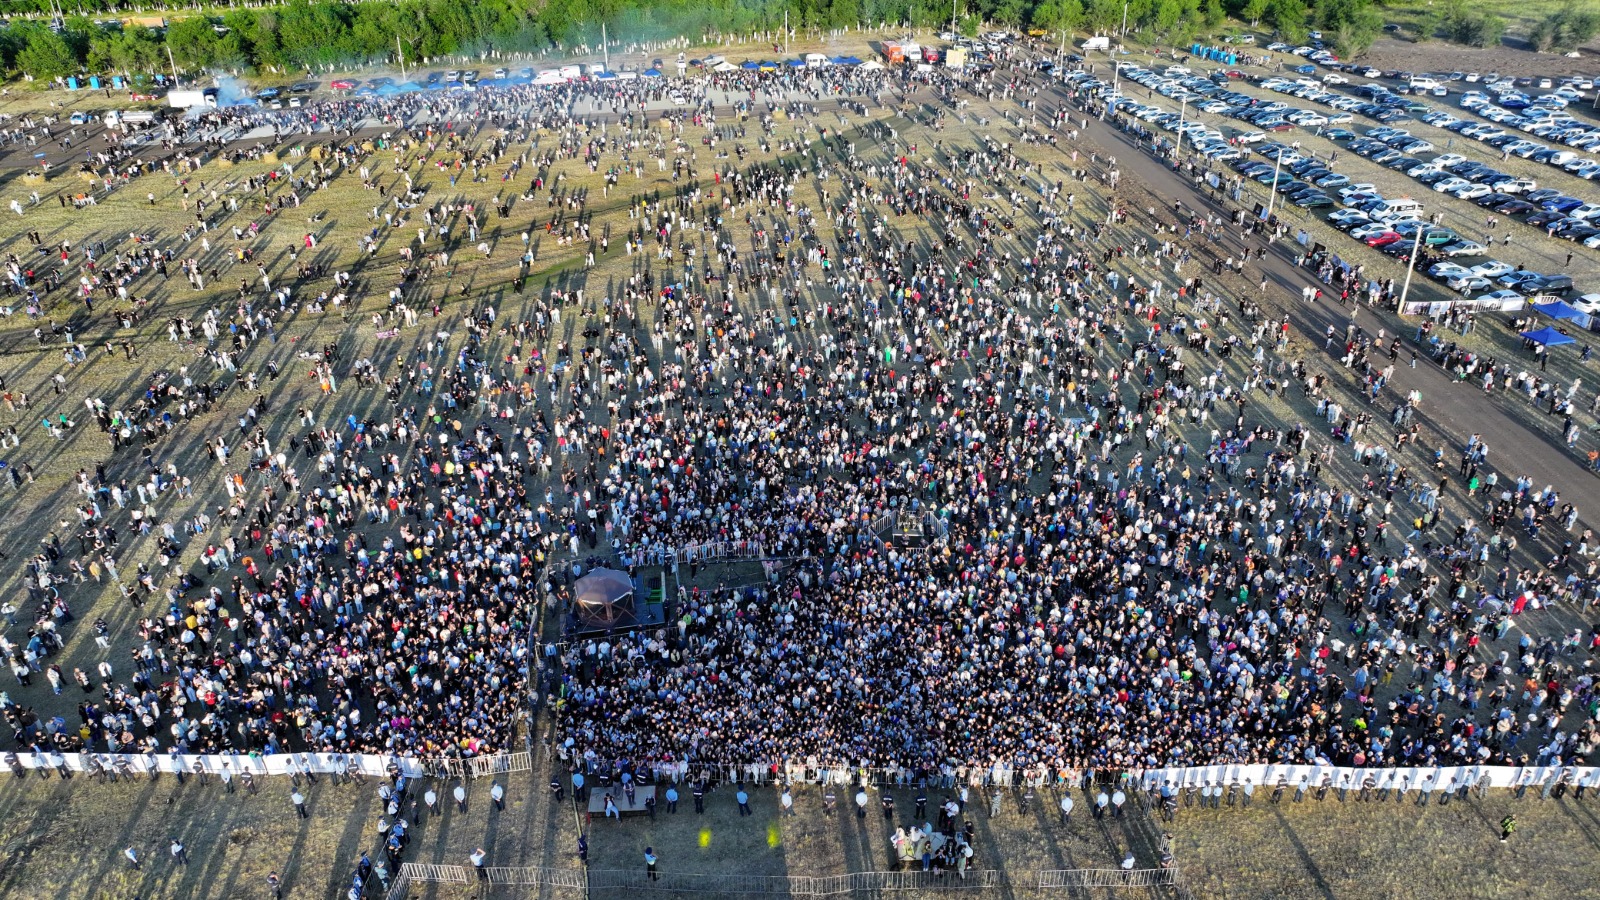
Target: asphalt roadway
column 1455, row 410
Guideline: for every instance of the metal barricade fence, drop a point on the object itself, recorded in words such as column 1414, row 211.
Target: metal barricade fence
column 1078, row 879
column 437, row 873
column 501, row 764
column 605, row 882
column 536, row 875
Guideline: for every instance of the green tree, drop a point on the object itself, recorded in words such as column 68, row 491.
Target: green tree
column 46, row 55
column 194, row 42
column 1288, row 17
column 1011, row 13
column 1058, row 17
column 1430, row 23
column 1254, row 10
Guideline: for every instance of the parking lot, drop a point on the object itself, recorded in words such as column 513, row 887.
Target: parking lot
column 1494, row 219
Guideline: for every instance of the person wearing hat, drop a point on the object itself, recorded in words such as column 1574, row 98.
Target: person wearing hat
column 650, row 863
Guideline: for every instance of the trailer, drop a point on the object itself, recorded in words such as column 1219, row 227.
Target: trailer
column 131, row 118
column 191, row 99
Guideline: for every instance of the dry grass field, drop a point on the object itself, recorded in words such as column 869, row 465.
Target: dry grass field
column 65, row 839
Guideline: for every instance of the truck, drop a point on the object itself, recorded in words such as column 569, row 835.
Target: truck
column 1098, row 42
column 130, row 118
column 189, row 99
column 894, row 52
column 955, row 57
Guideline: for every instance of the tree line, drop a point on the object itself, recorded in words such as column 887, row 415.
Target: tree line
column 299, row 35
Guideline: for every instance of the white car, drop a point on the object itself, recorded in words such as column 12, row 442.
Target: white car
column 677, row 99
column 1448, row 160
column 1371, row 229
column 1497, row 296
column 1450, row 185
column 1592, row 241
column 1494, row 268
column 1334, row 78
column 1464, row 248
column 1466, row 284
column 1251, row 137
column 1449, row 270
column 1350, row 217
column 1472, row 191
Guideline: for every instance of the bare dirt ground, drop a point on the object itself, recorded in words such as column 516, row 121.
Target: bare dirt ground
column 1438, row 56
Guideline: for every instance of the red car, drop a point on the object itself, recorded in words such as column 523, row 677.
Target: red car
column 343, row 84
column 1383, row 240
column 1235, row 73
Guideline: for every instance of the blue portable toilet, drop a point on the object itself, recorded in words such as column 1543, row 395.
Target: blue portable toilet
column 117, row 83
column 72, row 83
column 94, row 82
column 1233, row 58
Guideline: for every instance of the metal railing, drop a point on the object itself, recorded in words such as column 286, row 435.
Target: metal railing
column 1079, row 879
column 479, row 766
column 610, row 881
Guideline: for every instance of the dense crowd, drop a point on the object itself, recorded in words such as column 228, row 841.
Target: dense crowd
column 1123, row 561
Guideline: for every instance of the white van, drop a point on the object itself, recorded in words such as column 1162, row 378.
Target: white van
column 1399, row 206
column 1422, row 84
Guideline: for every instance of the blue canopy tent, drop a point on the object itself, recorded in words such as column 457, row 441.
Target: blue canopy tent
column 797, row 63
column 1548, row 336
column 1557, row 309
column 750, row 64
column 847, row 60
column 652, row 73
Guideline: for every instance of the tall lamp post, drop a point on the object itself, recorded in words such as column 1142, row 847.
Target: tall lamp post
column 1411, row 265
column 1272, row 191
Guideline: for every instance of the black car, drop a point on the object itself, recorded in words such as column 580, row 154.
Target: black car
column 303, row 87
column 1544, row 217
column 1515, row 207
column 1488, row 201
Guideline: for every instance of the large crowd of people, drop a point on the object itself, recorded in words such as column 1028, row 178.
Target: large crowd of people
column 1112, row 554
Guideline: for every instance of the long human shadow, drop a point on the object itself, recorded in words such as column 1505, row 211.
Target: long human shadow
column 1311, row 867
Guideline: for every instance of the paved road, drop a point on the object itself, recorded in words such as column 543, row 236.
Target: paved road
column 1456, row 410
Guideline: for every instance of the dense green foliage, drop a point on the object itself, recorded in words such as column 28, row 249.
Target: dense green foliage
column 1572, row 26
column 299, row 34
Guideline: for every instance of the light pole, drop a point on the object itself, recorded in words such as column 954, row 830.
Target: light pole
column 1411, row 265
column 1183, row 108
column 1272, row 192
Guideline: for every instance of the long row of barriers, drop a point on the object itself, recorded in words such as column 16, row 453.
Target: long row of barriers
column 361, row 765
column 610, row 882
column 811, row 772
column 1039, row 777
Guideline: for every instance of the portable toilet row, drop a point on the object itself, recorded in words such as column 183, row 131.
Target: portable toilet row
column 1215, row 54
column 74, row 83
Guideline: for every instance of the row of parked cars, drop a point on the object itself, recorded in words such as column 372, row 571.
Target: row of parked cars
column 1395, row 226
column 1503, row 101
